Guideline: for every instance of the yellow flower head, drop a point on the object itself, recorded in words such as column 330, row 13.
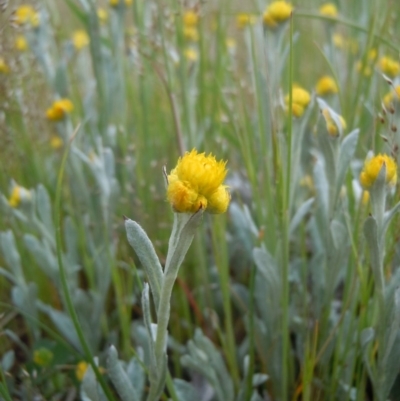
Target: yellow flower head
column 329, row 10
column 18, row 195
column 102, row 15
column 80, row 370
column 26, row 15
column 191, row 33
column 59, row 109
column 245, row 19
column 190, row 19
column 326, row 86
column 56, row 142
column 392, row 96
column 389, row 66
column 80, row 39
column 43, row 357
column 190, row 54
column 197, row 182
column 372, row 168
column 115, row 3
column 276, row 13
column 4, row 68
column 300, row 100
column 331, row 124
column 20, row 43
column 338, row 40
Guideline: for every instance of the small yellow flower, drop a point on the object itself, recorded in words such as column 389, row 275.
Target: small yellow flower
column 26, row 15
column 300, row 100
column 276, row 13
column 190, row 19
column 191, row 54
column 365, row 198
column 4, row 68
column 326, row 86
column 230, row 43
column 389, row 66
column 392, row 96
column 191, row 33
column 372, row 168
column 56, row 142
column 102, row 15
column 115, row 3
column 331, row 124
column 245, row 19
column 372, row 54
column 329, row 10
column 20, row 43
column 59, row 109
column 80, row 39
column 338, row 40
column 197, row 183
column 42, row 357
column 81, row 369
column 15, row 197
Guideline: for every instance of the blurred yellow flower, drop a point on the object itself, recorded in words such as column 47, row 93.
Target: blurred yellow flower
column 190, row 19
column 191, row 33
column 115, row 3
column 56, row 142
column 372, row 54
column 191, row 54
column 392, row 96
column 20, row 43
column 230, row 43
column 4, row 68
column 42, row 357
column 276, row 13
column 81, row 369
column 326, row 86
column 102, row 14
column 372, row 168
column 300, row 100
column 389, row 66
column 338, row 40
column 80, row 39
column 331, row 124
column 245, row 19
column 18, row 194
column 26, row 15
column 367, row 71
column 329, row 10
column 197, row 183
column 59, row 109
column 365, row 198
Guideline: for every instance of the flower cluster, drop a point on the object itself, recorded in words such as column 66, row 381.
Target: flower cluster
column 59, row 109
column 276, row 13
column 197, row 183
column 300, row 100
column 190, row 21
column 372, row 168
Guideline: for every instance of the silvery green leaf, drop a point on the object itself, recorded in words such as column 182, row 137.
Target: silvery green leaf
column 256, row 397
column 371, row 235
column 8, row 275
column 388, row 217
column 136, row 373
column 300, row 214
column 367, row 335
column 144, row 249
column 11, row 255
column 71, row 241
column 391, row 366
column 259, row 378
column 63, row 323
column 346, row 154
column 184, row 390
column 7, row 361
column 339, row 234
column 394, row 324
column 119, row 377
column 17, row 340
column 44, row 209
column 90, row 389
column 321, row 186
column 183, row 231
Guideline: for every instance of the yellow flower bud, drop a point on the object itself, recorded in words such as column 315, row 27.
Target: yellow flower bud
column 329, row 10
column 276, row 13
column 59, row 109
column 372, row 168
column 326, row 86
